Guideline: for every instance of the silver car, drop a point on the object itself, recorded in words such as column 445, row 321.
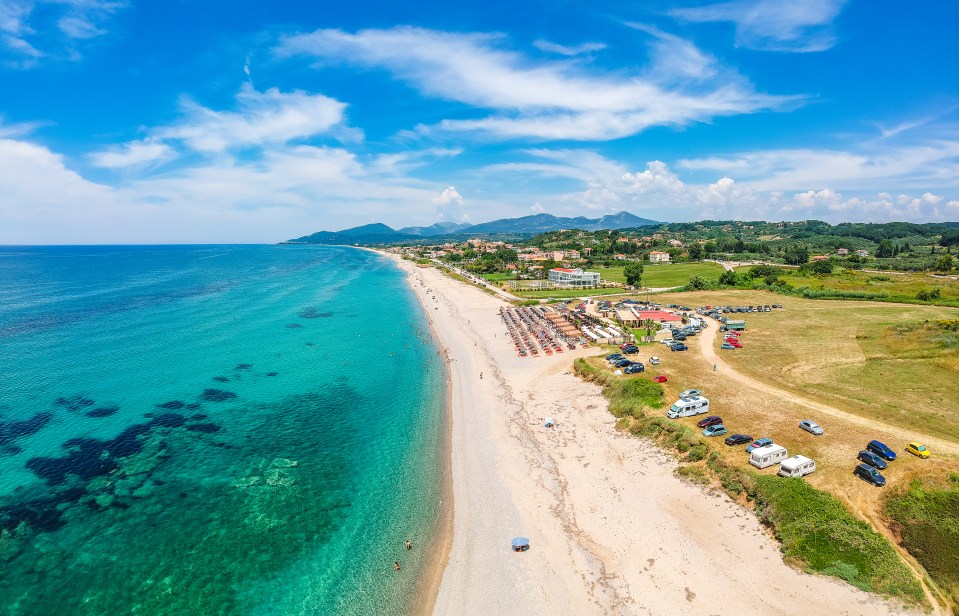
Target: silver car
column 811, row 426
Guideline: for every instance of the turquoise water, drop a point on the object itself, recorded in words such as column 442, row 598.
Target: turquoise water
column 213, row 430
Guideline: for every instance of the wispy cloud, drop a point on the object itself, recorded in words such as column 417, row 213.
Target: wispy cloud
column 568, row 50
column 28, row 35
column 259, row 119
column 774, row 25
column 535, row 98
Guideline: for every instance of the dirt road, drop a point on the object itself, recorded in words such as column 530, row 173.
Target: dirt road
column 707, row 348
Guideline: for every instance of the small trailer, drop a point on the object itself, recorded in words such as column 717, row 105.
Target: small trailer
column 736, row 326
column 796, row 466
column 767, row 456
column 687, row 407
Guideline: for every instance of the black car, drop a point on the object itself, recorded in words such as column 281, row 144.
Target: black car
column 678, row 347
column 634, row 368
column 615, row 358
column 622, row 363
column 738, row 439
column 679, row 336
column 872, row 460
column 868, row 473
column 630, row 349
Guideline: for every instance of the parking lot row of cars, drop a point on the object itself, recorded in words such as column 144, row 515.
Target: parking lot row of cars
column 628, row 366
column 876, row 457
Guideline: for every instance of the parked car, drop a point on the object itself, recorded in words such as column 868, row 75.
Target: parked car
column 872, row 459
column 728, row 347
column 630, row 350
column 666, row 341
column 737, row 439
column 868, row 473
column 711, row 420
column 736, row 344
column 917, row 450
column 622, row 363
column 660, row 378
column 654, row 360
column 760, row 442
column 634, row 368
column 811, row 426
column 679, row 347
column 881, row 450
column 679, row 337
column 717, row 430
column 615, row 358
column 691, row 393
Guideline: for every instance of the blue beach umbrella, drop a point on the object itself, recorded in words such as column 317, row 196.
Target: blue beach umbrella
column 520, row 544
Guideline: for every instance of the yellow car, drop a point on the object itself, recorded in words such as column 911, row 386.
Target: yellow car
column 917, row 450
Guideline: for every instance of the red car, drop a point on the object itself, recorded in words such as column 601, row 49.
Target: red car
column 735, row 343
column 731, row 333
column 660, row 379
column 712, row 420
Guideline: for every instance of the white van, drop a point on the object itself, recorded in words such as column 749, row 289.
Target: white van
column 796, row 466
column 687, row 407
column 768, row 455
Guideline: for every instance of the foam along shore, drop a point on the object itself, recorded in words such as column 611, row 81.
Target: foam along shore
column 611, row 529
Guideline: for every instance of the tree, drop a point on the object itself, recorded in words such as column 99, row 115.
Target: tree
column 696, row 251
column 944, row 264
column 633, row 273
column 949, row 239
column 729, row 278
column 885, row 249
column 698, row 283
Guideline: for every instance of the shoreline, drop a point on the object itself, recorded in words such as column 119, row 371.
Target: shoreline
column 427, row 586
column 612, row 528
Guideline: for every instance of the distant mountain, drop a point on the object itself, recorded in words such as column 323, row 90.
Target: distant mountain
column 378, row 233
column 541, row 223
column 439, row 228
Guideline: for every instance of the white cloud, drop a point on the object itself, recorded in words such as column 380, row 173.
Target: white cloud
column 537, row 208
column 775, row 25
column 568, row 50
column 541, row 99
column 133, row 154
column 27, row 35
column 449, row 195
column 261, row 118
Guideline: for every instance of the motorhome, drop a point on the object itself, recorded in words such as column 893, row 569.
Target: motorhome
column 688, row 406
column 768, row 455
column 796, row 466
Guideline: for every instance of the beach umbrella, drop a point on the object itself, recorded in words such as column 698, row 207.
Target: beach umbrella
column 520, row 544
column 549, row 422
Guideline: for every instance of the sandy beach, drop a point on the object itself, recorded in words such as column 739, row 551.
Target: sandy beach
column 612, row 529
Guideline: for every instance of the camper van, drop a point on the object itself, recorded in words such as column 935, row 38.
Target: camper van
column 768, row 455
column 687, row 407
column 796, row 466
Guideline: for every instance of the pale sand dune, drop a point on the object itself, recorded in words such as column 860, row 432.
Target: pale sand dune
column 612, row 530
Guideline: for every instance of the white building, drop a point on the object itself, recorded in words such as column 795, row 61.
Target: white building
column 573, row 277
column 657, row 256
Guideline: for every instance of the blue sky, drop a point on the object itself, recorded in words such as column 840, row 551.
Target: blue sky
column 251, row 121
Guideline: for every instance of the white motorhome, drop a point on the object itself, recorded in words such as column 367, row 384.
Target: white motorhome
column 768, row 455
column 687, row 407
column 796, row 466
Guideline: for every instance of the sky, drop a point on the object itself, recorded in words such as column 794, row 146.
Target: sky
column 243, row 121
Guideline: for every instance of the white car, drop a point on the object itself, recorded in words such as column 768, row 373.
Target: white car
column 666, row 341
column 690, row 393
column 654, row 361
column 811, row 426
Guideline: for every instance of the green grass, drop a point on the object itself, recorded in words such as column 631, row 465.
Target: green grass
column 928, row 520
column 817, row 530
column 663, row 275
column 498, row 277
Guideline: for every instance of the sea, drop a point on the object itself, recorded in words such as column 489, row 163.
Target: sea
column 215, row 430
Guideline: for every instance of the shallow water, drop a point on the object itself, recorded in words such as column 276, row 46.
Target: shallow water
column 213, row 429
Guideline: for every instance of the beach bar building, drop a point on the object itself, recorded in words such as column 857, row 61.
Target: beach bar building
column 565, row 277
column 630, row 316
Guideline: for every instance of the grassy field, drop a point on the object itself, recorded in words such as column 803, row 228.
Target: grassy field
column 872, row 359
column 926, row 516
column 894, row 286
column 663, row 275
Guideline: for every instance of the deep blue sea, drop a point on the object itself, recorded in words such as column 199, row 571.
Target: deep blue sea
column 214, row 430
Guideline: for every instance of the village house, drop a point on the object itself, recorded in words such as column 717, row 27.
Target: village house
column 658, row 256
column 842, row 252
column 862, row 253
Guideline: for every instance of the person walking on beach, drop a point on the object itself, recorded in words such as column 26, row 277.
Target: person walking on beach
column 396, row 566
column 714, row 367
column 409, row 546
column 481, row 376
